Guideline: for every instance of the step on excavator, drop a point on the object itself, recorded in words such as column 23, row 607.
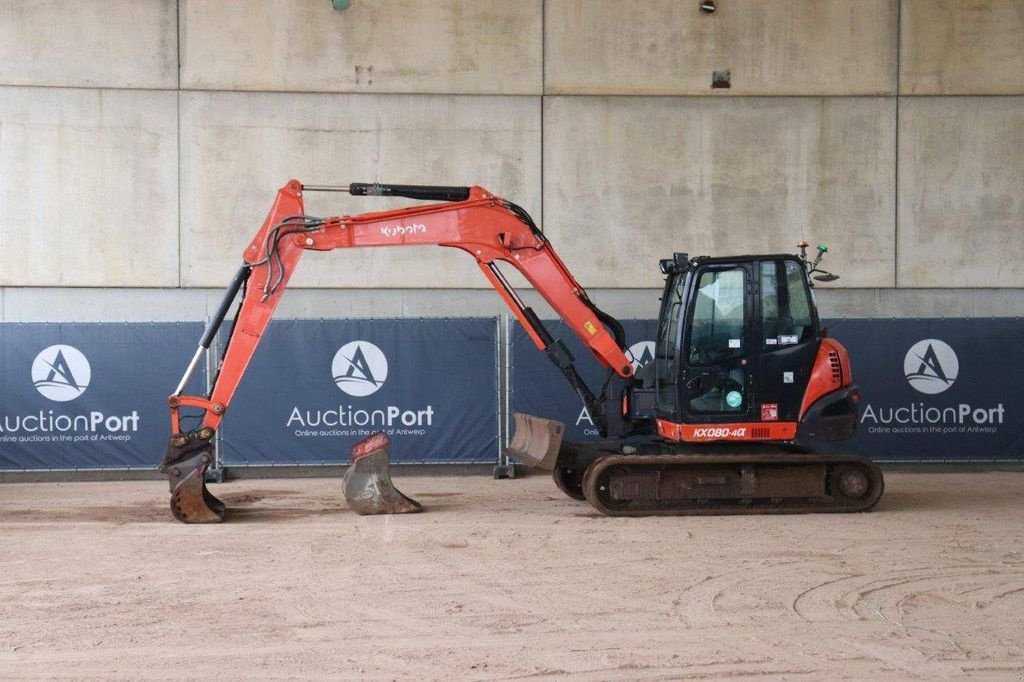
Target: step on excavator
column 744, row 385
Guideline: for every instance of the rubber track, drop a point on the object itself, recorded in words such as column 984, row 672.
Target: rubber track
column 812, row 477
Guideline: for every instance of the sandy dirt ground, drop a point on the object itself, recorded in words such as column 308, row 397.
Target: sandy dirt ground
column 508, row 580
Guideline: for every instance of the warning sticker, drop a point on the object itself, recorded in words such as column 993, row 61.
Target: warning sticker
column 769, row 412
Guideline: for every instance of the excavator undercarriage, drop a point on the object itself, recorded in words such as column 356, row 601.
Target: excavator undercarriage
column 662, row 479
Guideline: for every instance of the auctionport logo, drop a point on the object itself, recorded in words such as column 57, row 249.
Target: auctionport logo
column 931, row 366
column 61, row 373
column 640, row 353
column 359, row 368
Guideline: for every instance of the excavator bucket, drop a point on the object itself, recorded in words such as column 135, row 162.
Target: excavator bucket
column 367, row 484
column 536, row 441
column 187, row 459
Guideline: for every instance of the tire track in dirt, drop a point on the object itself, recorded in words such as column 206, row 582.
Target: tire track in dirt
column 753, row 592
column 854, row 597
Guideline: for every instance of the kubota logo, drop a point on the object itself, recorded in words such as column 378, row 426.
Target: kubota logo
column 399, row 230
column 359, row 368
column 640, row 353
column 931, row 366
column 61, row 373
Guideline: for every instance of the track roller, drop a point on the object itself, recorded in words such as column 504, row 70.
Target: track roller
column 569, row 480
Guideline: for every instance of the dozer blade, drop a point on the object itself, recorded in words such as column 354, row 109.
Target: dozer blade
column 187, row 459
column 367, row 484
column 536, row 441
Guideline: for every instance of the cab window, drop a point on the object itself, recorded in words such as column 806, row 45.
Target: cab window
column 785, row 305
column 666, row 350
column 719, row 309
column 667, row 331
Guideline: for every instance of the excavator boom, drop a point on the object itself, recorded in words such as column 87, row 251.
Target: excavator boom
column 472, row 219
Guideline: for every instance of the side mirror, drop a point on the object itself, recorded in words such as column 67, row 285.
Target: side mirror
column 826, row 277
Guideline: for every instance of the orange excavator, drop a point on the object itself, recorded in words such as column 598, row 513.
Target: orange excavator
column 744, row 382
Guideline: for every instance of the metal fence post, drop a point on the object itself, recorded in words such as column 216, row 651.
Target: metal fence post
column 214, row 474
column 504, row 468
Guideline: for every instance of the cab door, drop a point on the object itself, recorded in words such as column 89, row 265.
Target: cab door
column 666, row 349
column 715, row 380
column 788, row 339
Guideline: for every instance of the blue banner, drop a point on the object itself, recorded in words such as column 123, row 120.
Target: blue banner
column 539, row 388
column 934, row 390
column 316, row 387
column 937, row 389
column 89, row 395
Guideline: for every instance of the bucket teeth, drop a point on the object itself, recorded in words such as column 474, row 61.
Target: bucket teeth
column 536, row 441
column 367, row 484
column 187, row 458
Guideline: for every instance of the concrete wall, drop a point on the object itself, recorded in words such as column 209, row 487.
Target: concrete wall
column 961, row 204
column 492, row 141
column 669, row 47
column 141, row 143
column 88, row 187
column 962, row 47
column 822, row 167
column 440, row 46
column 89, row 43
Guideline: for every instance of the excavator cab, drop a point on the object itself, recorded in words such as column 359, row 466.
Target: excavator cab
column 736, row 342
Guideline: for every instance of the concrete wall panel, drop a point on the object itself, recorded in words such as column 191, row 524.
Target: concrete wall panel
column 89, row 43
column 668, row 47
column 238, row 148
column 88, row 187
column 962, row 47
column 405, row 46
column 629, row 181
column 961, row 199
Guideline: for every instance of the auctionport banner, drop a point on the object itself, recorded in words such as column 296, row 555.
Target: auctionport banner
column 539, row 388
column 933, row 389
column 80, row 396
column 937, row 389
column 316, row 387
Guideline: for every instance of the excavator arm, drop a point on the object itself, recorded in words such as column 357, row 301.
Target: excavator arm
column 472, row 219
